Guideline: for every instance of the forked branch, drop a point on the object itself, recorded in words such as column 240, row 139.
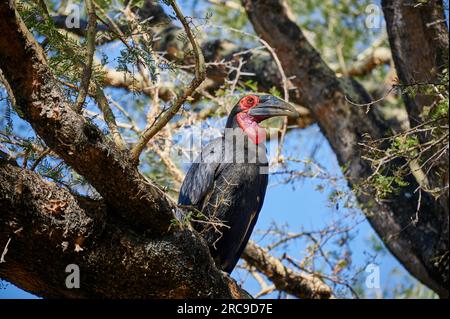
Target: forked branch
column 200, row 73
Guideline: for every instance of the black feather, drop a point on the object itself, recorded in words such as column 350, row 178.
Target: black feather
column 229, row 193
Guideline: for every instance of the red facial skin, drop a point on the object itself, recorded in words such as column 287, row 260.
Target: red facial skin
column 249, row 124
column 247, row 102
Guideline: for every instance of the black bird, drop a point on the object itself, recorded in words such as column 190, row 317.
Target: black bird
column 227, row 183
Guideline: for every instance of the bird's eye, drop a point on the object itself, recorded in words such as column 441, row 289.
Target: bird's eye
column 249, row 102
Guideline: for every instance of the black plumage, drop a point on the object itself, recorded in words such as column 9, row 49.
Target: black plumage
column 229, row 191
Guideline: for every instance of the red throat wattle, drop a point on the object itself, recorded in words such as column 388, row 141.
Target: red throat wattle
column 247, row 123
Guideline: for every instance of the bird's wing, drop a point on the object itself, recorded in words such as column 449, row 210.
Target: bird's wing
column 251, row 224
column 200, row 177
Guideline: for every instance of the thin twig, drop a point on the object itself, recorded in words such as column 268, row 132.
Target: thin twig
column 109, row 117
column 198, row 79
column 368, row 105
column 285, row 80
column 177, row 174
column 90, row 50
column 5, row 250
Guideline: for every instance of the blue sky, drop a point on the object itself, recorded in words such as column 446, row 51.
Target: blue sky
column 305, row 207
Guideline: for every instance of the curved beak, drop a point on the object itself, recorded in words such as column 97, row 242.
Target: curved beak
column 271, row 106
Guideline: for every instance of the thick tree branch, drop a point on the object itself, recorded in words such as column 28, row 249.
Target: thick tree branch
column 79, row 230
column 109, row 117
column 77, row 141
column 345, row 126
column 217, row 52
column 49, row 228
column 285, row 279
column 369, row 60
column 114, row 260
column 418, row 36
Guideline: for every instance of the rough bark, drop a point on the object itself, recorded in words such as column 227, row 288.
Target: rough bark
column 77, row 141
column 115, row 260
column 300, row 285
column 48, row 228
column 418, row 247
column 418, row 36
column 126, row 244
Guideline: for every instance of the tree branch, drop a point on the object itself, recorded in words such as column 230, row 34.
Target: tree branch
column 77, row 230
column 109, row 117
column 419, row 45
column 216, row 52
column 346, row 126
column 90, row 50
column 369, row 60
column 198, row 79
column 49, row 228
column 77, row 141
column 285, row 279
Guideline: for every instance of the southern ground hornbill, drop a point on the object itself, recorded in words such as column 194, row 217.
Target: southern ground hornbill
column 226, row 184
